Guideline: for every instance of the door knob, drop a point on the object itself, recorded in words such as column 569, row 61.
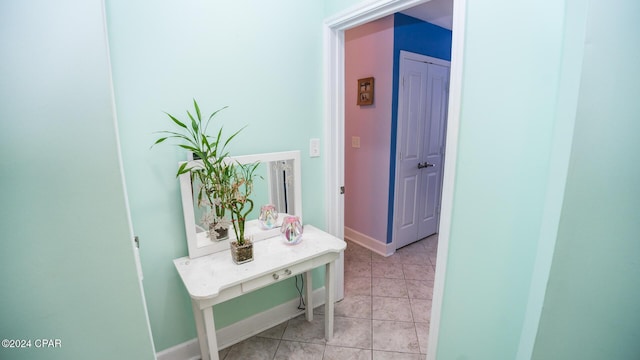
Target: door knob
column 424, row 165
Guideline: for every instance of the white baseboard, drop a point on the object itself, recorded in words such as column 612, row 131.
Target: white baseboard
column 243, row 329
column 368, row 242
column 188, row 350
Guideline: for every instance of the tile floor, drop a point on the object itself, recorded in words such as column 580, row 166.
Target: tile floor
column 384, row 315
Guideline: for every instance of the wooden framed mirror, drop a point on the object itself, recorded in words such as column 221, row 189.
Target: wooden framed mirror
column 278, row 183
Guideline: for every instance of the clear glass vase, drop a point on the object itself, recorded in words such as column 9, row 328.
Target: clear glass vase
column 268, row 216
column 291, row 230
column 242, row 253
column 218, row 234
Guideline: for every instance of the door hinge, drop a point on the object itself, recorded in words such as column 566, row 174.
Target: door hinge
column 136, row 240
column 341, row 190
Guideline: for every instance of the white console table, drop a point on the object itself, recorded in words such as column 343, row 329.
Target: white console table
column 215, row 278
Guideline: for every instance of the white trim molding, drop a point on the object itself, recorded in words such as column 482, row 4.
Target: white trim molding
column 449, row 176
column 368, row 11
column 377, row 246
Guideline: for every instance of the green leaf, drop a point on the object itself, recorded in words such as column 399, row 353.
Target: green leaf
column 190, row 148
column 176, row 121
column 175, row 135
column 194, row 124
column 232, row 136
column 159, row 141
column 183, row 169
column 215, row 152
column 205, row 143
column 217, row 111
column 195, row 105
column 206, row 126
column 200, row 196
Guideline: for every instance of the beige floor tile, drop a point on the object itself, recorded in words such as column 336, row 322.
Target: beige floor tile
column 357, row 286
column 299, row 329
column 357, row 269
column 388, row 308
column 419, row 289
column 387, row 355
column 417, row 246
column 395, row 336
column 411, row 250
column 393, row 259
column 430, row 242
column 388, row 287
column 387, row 270
column 298, row 350
column 357, row 252
column 421, row 310
column 422, row 330
column 432, row 259
column 254, row 348
column 223, row 353
column 356, row 306
column 418, row 272
column 343, row 353
column 415, row 258
column 275, row 332
column 351, row 332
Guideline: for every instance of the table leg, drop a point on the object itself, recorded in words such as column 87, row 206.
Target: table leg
column 212, row 342
column 202, row 333
column 308, row 294
column 329, row 289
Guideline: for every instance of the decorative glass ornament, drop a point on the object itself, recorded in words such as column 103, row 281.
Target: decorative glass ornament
column 268, row 216
column 291, row 229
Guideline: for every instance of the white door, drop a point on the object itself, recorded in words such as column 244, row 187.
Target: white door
column 422, row 118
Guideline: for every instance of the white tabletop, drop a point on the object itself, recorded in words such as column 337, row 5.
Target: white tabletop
column 206, row 276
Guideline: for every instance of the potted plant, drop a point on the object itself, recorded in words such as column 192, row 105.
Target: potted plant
column 240, row 205
column 214, row 174
column 211, row 193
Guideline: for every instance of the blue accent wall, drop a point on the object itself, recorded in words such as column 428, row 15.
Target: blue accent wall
column 417, row 36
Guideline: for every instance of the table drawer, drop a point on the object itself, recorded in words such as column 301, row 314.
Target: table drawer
column 276, row 276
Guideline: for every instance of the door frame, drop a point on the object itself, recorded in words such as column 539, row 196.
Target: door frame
column 333, row 89
column 404, row 56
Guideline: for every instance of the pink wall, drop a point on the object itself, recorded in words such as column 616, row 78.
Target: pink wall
column 368, row 52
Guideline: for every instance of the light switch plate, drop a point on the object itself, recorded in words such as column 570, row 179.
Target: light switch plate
column 355, row 141
column 314, row 147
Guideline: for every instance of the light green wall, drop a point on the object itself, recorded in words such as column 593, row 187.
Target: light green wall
column 333, row 7
column 263, row 60
column 591, row 310
column 565, row 114
column 509, row 91
column 68, row 270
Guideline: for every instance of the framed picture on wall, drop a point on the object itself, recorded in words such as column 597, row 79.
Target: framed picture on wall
column 365, row 91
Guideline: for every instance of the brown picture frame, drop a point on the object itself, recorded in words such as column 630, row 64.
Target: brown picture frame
column 365, row 91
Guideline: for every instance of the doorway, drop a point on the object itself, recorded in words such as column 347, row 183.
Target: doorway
column 422, row 113
column 334, row 132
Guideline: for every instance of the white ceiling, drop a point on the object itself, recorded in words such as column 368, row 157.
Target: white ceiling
column 438, row 12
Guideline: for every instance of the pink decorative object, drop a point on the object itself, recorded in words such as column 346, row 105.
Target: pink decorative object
column 291, row 230
column 268, row 216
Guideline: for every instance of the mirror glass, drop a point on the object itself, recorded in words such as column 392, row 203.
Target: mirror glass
column 276, row 181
